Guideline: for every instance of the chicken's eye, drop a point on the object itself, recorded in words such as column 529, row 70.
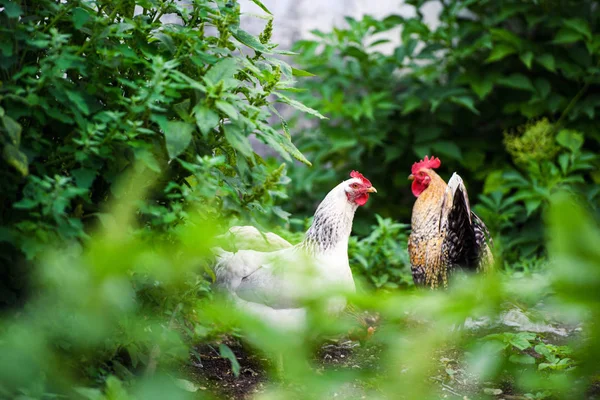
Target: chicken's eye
column 354, row 186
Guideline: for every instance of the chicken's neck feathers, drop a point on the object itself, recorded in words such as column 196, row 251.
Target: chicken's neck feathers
column 426, row 211
column 332, row 223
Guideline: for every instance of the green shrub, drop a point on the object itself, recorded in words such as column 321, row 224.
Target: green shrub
column 382, row 256
column 515, row 199
column 451, row 90
column 89, row 91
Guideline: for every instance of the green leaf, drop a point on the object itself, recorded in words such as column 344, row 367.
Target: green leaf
column 517, row 81
column 465, row 101
column 146, row 156
column 579, row 25
column 531, row 205
column 206, row 119
column 224, row 70
column 566, row 36
column 543, row 87
column 447, row 148
column 521, row 359
column 299, row 106
column 80, row 17
column 506, row 36
column 527, row 58
column 12, row 9
column 300, row 72
column 79, row 101
column 227, row 108
column 166, row 40
column 499, row 52
column 547, row 61
column 226, row 352
column 262, row 6
column 412, row 103
column 570, row 139
column 482, row 87
column 238, row 140
column 249, row 40
column 16, row 159
column 177, row 136
column 84, row 177
column 290, row 148
column 13, row 128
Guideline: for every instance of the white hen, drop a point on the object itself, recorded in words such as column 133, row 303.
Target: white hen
column 273, row 285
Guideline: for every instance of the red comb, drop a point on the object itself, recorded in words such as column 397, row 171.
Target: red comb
column 356, row 174
column 431, row 163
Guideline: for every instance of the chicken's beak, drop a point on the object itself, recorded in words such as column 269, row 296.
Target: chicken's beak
column 372, row 189
column 411, row 177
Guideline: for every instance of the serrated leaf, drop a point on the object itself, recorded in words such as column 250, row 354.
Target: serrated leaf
column 223, row 70
column 517, row 81
column 178, row 136
column 527, row 58
column 238, row 140
column 79, row 101
column 226, row 352
column 206, row 119
column 249, row 40
column 80, row 17
column 290, row 148
column 165, row 40
column 16, row 159
column 547, row 61
column 299, row 106
column 499, row 52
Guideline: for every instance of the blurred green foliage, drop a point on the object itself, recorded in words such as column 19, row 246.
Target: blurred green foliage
column 125, row 150
column 453, row 90
column 89, row 90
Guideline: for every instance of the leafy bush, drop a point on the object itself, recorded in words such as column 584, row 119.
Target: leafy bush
column 92, row 89
column 89, row 333
column 452, row 90
column 382, row 256
column 547, row 162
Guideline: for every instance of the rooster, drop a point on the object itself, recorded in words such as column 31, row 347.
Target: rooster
column 274, row 284
column 446, row 235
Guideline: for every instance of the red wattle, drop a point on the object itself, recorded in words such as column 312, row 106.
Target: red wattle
column 417, row 188
column 361, row 199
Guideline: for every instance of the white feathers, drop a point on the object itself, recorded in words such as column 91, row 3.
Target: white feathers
column 274, row 284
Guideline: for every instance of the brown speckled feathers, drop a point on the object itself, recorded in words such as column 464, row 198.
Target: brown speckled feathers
column 446, row 234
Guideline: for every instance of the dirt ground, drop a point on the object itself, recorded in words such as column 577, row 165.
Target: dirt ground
column 213, row 374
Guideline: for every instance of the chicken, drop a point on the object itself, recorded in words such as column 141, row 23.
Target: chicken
column 446, row 235
column 273, row 285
